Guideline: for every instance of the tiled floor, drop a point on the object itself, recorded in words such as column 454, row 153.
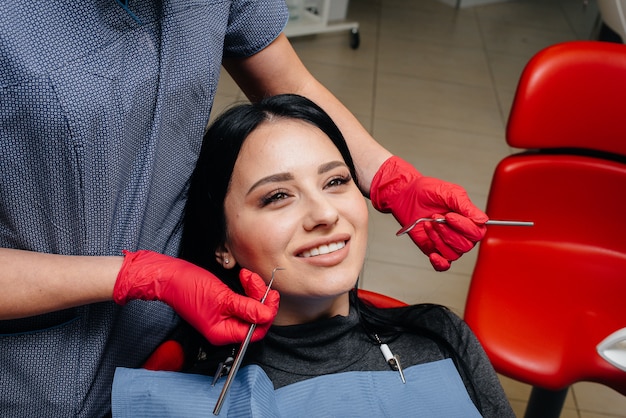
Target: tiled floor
column 434, row 85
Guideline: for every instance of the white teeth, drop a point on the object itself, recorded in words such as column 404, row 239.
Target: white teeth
column 324, row 249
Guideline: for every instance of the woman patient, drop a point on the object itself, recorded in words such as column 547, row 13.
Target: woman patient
column 275, row 186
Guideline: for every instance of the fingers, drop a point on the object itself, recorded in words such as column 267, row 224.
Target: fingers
column 233, row 331
column 441, row 247
column 263, row 325
column 472, row 230
column 458, row 234
column 260, row 332
column 237, row 317
column 438, row 262
column 421, row 239
column 237, row 312
column 446, row 242
column 457, row 200
column 252, row 283
column 429, row 247
column 252, row 311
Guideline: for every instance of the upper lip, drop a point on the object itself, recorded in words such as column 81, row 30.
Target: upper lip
column 323, row 241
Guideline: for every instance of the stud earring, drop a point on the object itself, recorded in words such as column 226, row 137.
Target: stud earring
column 226, row 261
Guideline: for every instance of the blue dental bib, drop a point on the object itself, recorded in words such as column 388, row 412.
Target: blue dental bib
column 431, row 390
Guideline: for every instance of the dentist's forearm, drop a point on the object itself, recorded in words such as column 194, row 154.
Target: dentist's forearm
column 35, row 283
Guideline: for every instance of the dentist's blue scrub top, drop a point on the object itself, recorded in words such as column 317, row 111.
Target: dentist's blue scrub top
column 101, row 121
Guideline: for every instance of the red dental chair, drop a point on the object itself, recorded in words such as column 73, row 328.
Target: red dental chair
column 542, row 298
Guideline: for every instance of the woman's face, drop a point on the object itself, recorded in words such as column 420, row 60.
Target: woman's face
column 293, row 204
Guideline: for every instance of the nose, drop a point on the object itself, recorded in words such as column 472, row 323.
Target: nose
column 320, row 212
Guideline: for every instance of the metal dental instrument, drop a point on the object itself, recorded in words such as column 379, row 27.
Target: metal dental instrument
column 443, row 221
column 392, row 360
column 242, row 351
column 222, row 368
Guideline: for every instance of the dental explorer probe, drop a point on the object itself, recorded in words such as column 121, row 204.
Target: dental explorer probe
column 443, row 221
column 242, row 351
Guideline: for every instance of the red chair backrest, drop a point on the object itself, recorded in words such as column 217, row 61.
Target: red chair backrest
column 379, row 300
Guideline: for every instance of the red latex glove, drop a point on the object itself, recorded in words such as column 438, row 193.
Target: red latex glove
column 400, row 189
column 218, row 313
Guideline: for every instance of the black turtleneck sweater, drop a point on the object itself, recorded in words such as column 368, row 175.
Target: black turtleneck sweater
column 289, row 354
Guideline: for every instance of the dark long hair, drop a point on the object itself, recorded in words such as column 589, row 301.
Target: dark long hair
column 204, row 229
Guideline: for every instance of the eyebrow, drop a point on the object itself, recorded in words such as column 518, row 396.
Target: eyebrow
column 274, row 178
column 329, row 166
column 278, row 177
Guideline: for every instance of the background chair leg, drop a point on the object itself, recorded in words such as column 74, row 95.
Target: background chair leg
column 545, row 403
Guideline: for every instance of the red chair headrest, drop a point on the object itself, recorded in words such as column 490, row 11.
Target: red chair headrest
column 572, row 95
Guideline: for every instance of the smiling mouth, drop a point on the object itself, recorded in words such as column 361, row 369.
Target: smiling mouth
column 323, row 249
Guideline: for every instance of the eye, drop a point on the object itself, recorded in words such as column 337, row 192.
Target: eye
column 273, row 197
column 339, row 181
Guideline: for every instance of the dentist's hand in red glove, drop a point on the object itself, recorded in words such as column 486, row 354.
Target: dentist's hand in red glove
column 203, row 300
column 400, row 189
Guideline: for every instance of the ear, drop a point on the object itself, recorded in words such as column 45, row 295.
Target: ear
column 224, row 257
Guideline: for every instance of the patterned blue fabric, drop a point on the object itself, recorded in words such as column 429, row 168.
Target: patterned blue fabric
column 101, row 120
column 432, row 390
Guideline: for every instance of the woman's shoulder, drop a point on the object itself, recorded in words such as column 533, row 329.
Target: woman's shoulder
column 426, row 316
